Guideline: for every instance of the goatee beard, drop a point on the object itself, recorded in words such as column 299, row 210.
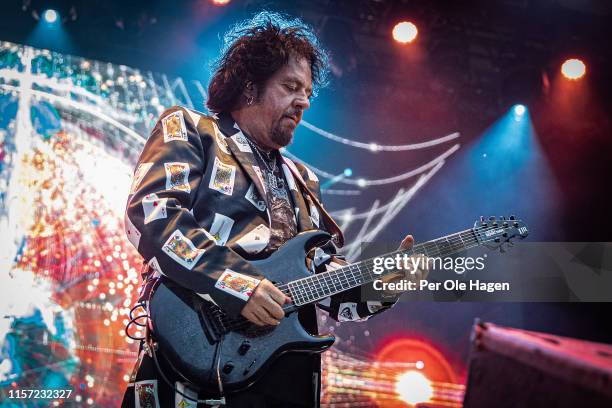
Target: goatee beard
column 281, row 137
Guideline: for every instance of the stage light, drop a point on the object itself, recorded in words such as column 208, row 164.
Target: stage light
column 220, row 2
column 50, row 16
column 519, row 110
column 573, row 69
column 405, row 32
column 413, row 387
column 348, row 172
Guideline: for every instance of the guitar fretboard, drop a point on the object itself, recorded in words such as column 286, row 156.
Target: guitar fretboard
column 319, row 286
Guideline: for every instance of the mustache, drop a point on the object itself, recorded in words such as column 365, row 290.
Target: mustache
column 297, row 115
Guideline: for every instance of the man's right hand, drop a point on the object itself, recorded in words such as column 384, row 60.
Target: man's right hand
column 265, row 305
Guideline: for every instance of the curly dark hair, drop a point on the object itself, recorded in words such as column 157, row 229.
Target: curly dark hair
column 254, row 50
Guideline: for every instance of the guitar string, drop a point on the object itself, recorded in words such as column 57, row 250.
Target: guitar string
column 233, row 324
column 430, row 246
column 242, row 322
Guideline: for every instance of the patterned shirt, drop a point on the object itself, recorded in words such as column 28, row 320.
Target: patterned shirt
column 283, row 225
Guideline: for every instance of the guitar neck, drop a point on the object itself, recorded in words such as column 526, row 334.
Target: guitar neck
column 319, row 286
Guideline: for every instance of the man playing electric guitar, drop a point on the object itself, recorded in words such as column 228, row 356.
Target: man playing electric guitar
column 211, row 193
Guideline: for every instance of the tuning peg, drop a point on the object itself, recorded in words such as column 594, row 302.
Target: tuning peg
column 481, row 218
column 503, row 218
column 512, row 218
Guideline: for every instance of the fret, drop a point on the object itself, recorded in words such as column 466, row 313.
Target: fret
column 304, row 290
column 295, row 293
column 319, row 285
column 462, row 241
column 329, row 280
column 324, row 279
column 346, row 276
column 334, row 281
column 307, row 288
column 357, row 279
column 328, row 283
column 350, row 275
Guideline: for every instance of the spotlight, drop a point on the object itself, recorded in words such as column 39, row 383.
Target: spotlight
column 220, row 2
column 50, row 16
column 348, row 172
column 573, row 69
column 519, row 110
column 413, row 387
column 405, row 32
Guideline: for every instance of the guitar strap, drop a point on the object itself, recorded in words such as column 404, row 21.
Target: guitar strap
column 329, row 222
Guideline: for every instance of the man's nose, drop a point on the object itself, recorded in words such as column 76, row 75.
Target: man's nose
column 302, row 102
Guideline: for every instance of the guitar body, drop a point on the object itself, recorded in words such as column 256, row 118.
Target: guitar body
column 188, row 331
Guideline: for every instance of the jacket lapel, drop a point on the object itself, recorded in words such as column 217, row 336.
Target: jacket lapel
column 242, row 152
column 304, row 222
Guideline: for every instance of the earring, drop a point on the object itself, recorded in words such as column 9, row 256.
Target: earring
column 250, row 100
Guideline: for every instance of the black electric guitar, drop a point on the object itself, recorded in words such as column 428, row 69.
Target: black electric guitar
column 197, row 338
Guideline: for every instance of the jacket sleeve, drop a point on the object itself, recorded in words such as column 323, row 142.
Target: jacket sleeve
column 159, row 220
column 354, row 304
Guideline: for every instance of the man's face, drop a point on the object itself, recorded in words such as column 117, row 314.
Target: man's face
column 281, row 103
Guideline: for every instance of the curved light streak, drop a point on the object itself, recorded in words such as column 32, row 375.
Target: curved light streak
column 375, row 147
column 377, row 182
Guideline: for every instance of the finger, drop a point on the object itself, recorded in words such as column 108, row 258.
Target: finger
column 274, row 309
column 250, row 316
column 407, row 242
column 265, row 317
column 277, row 296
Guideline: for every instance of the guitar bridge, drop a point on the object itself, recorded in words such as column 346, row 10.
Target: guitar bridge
column 212, row 319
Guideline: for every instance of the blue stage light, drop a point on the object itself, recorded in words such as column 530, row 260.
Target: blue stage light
column 348, row 172
column 519, row 110
column 50, row 16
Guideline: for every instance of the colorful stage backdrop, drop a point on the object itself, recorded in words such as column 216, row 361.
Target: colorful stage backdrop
column 70, row 132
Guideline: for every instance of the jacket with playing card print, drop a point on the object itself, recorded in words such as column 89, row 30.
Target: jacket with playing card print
column 196, row 213
column 196, row 210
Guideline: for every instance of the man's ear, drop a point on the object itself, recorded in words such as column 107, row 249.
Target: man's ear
column 250, row 90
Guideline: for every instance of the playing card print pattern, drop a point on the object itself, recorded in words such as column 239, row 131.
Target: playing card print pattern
column 177, row 176
column 154, row 208
column 182, row 250
column 174, row 127
column 139, row 174
column 145, row 393
column 196, row 209
column 237, row 284
column 222, row 178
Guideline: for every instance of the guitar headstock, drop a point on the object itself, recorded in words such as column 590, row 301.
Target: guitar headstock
column 494, row 232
